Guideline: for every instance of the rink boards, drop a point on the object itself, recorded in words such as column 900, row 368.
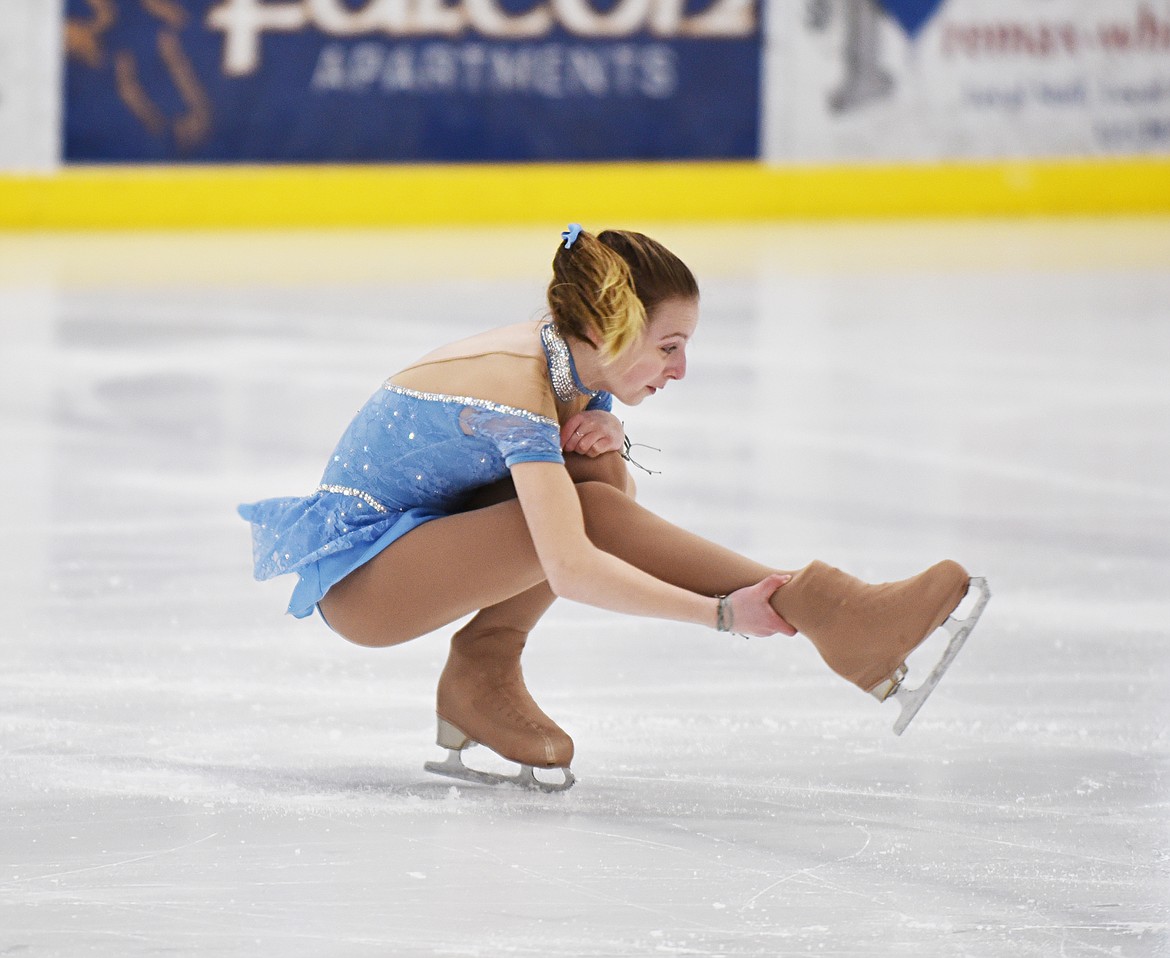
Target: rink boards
column 339, row 112
column 299, row 196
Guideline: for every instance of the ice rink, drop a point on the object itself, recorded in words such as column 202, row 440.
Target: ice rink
column 186, row 770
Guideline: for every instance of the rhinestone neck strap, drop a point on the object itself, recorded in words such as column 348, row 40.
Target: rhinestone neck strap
column 561, row 368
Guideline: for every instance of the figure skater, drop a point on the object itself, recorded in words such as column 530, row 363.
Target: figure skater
column 488, row 478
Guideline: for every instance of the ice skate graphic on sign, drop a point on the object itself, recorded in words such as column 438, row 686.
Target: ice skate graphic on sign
column 866, row 80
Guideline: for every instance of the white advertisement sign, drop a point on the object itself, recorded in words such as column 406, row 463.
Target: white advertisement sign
column 936, row 79
column 30, row 85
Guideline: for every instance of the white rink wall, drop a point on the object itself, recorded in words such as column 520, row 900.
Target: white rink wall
column 30, row 85
column 846, row 80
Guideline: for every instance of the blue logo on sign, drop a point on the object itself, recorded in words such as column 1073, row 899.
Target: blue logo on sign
column 912, row 14
column 395, row 80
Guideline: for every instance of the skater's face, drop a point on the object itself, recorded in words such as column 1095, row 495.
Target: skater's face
column 659, row 354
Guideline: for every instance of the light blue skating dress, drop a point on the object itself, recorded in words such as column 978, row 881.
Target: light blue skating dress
column 456, row 420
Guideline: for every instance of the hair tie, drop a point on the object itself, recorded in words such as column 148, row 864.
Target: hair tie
column 570, row 235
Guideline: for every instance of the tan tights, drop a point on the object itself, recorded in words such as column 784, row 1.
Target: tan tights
column 483, row 560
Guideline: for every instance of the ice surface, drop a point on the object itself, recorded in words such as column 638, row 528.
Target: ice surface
column 184, row 770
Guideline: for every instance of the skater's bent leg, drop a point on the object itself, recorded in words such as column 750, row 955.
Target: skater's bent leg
column 522, row 612
column 435, row 574
column 862, row 631
column 481, row 691
column 449, row 567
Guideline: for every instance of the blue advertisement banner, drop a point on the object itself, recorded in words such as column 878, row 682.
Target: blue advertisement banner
column 411, row 80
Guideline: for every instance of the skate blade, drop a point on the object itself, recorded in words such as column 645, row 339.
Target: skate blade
column 912, row 700
column 452, row 767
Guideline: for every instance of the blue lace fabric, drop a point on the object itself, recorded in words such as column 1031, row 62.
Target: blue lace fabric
column 407, row 457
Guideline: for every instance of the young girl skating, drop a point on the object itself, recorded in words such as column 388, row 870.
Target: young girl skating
column 488, row 478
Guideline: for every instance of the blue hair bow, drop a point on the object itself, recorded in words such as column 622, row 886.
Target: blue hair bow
column 570, row 235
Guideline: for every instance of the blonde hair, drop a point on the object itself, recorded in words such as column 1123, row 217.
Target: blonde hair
column 604, row 287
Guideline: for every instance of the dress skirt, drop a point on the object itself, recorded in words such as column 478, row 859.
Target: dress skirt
column 322, row 538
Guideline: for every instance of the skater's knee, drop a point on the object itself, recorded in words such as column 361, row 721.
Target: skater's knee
column 369, row 635
column 608, row 469
column 598, row 496
column 376, row 639
column 359, row 623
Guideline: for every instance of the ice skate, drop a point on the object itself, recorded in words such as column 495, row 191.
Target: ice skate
column 911, row 700
column 865, row 632
column 482, row 700
column 865, row 80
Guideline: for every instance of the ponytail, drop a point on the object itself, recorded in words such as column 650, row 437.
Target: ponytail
column 604, row 286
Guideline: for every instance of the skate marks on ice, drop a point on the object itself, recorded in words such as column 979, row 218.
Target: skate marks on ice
column 972, row 873
column 714, row 817
column 723, row 863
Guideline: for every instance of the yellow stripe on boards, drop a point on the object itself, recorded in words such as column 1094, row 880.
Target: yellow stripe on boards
column 186, row 197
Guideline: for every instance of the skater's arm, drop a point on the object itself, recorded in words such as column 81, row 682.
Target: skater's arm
column 578, row 570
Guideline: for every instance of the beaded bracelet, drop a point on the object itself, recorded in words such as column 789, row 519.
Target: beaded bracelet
column 724, row 618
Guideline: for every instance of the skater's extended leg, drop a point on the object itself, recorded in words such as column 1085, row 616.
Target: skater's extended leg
column 863, row 632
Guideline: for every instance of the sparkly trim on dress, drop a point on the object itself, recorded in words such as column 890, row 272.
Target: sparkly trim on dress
column 408, row 456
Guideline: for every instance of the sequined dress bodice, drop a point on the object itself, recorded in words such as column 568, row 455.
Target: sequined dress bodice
column 455, row 421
